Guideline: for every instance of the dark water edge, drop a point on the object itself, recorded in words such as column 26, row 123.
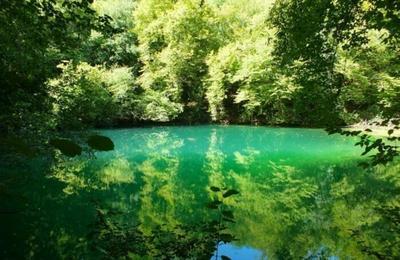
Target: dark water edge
column 301, row 195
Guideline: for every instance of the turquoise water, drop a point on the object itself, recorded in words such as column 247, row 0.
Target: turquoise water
column 301, row 195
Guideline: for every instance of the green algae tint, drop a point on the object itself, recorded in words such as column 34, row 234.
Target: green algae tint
column 301, row 195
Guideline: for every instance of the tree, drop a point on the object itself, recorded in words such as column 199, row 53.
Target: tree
column 175, row 39
column 35, row 36
column 335, row 25
column 116, row 44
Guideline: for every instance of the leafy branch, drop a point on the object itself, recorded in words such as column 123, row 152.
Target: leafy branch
column 224, row 215
column 381, row 150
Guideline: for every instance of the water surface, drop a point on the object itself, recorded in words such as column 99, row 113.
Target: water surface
column 301, row 195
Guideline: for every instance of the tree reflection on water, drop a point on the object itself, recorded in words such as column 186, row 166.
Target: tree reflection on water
column 159, row 200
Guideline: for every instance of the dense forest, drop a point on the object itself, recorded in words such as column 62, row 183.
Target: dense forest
column 71, row 69
column 77, row 64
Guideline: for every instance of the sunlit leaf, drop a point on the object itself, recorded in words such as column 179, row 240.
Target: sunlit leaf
column 101, row 143
column 66, row 147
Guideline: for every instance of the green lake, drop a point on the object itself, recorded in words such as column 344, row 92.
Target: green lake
column 159, row 195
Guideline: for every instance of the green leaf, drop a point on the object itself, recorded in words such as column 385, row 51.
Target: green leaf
column 390, row 131
column 100, row 143
column 214, row 204
column 228, row 220
column 230, row 193
column 224, row 257
column 210, row 229
column 66, row 147
column 364, row 165
column 214, row 223
column 227, row 214
column 215, row 189
column 226, row 238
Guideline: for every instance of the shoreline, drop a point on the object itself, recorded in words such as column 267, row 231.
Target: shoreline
column 378, row 131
